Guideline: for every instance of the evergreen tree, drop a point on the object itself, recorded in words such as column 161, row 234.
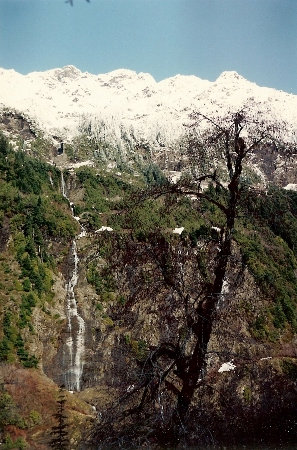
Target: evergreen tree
column 59, row 432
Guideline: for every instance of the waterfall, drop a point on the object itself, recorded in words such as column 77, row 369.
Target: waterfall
column 51, row 179
column 63, row 186
column 74, row 347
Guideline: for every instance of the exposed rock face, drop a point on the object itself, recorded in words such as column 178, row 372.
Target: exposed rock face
column 155, row 282
column 17, row 124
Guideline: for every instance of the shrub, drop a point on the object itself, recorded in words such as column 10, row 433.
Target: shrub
column 290, row 369
column 27, row 360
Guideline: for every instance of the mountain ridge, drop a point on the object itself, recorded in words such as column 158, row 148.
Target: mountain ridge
column 60, row 99
column 140, row 268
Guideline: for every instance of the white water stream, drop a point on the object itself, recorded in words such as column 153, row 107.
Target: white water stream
column 74, row 347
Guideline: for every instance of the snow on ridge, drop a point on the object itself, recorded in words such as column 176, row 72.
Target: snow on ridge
column 231, row 75
column 128, row 74
column 58, row 100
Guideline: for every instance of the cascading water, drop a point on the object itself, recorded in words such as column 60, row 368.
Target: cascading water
column 74, row 347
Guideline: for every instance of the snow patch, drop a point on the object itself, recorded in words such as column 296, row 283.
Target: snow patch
column 174, row 176
column 81, row 164
column 130, row 388
column 216, row 229
column 226, row 367
column 178, row 230
column 225, row 287
column 104, row 229
column 291, row 187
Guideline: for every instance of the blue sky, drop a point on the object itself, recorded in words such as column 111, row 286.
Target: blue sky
column 256, row 38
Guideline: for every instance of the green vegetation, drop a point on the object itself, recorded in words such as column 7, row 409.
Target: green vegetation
column 9, row 337
column 289, row 368
column 26, row 359
column 12, row 343
column 9, row 444
column 9, row 416
column 278, row 211
column 267, row 236
column 103, row 192
column 37, row 213
column 153, row 175
column 163, row 215
column 102, row 282
column 33, row 214
column 266, row 231
column 138, row 347
column 8, row 411
column 247, row 394
column 85, row 146
column 28, row 302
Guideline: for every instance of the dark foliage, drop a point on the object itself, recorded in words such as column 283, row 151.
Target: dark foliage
column 59, row 432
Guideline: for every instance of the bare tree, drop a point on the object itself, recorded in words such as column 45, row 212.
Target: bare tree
column 229, row 144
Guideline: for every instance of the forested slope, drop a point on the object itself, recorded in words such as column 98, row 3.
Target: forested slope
column 138, row 290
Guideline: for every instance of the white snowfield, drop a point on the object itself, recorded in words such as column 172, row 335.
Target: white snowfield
column 132, row 104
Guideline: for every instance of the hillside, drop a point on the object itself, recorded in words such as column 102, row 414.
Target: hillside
column 111, row 271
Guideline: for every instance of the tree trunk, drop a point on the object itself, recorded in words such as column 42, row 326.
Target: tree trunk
column 202, row 327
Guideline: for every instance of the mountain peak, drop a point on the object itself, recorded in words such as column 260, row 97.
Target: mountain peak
column 67, row 72
column 230, row 76
column 122, row 73
column 60, row 99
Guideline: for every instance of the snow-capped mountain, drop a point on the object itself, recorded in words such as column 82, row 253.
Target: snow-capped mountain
column 60, row 101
